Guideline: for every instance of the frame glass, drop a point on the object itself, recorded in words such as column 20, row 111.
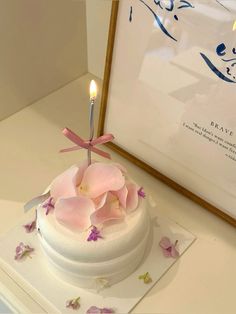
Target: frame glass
column 169, row 95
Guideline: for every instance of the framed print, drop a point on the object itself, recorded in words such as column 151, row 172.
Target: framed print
column 169, row 95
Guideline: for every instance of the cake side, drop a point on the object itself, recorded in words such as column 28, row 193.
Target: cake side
column 94, row 225
column 118, row 237
column 82, row 263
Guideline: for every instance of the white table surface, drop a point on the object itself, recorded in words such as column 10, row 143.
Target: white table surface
column 202, row 281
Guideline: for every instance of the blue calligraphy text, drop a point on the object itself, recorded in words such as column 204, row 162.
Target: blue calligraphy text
column 229, row 64
column 171, row 6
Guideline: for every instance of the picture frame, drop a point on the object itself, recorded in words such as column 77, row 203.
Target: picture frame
column 187, row 145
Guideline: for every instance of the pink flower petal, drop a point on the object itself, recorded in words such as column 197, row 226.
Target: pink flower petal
column 100, row 201
column 165, row 243
column 65, row 184
column 74, row 213
column 82, row 169
column 122, row 195
column 100, row 178
column 132, row 197
column 122, row 168
column 110, row 211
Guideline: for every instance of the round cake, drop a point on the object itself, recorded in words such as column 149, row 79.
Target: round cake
column 94, row 226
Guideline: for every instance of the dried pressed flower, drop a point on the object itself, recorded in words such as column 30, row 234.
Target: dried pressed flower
column 141, row 193
column 22, row 251
column 96, row 310
column 146, row 278
column 168, row 248
column 73, row 303
column 30, row 227
column 48, row 205
column 94, row 235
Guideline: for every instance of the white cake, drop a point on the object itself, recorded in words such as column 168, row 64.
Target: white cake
column 106, row 260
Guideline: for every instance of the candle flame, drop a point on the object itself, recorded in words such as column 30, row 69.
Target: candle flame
column 234, row 26
column 93, row 90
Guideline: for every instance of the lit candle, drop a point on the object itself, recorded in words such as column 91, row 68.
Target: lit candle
column 93, row 95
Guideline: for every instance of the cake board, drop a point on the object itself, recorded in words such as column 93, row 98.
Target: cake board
column 34, row 276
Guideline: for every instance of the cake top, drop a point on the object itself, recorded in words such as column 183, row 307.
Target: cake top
column 90, row 195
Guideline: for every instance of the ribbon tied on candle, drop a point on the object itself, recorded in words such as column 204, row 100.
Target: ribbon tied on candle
column 80, row 143
column 87, row 144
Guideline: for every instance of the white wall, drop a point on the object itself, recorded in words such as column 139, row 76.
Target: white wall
column 43, row 46
column 98, row 19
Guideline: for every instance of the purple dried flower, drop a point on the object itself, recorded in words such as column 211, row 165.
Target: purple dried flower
column 94, row 234
column 96, row 310
column 141, row 193
column 22, row 251
column 48, row 204
column 73, row 304
column 169, row 249
column 30, row 227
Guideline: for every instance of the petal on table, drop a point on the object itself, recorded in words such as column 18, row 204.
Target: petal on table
column 74, row 213
column 100, row 178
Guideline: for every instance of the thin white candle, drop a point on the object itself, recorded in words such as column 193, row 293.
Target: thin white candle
column 93, row 95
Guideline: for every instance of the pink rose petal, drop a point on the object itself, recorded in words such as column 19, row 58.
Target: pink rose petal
column 122, row 195
column 74, row 213
column 65, row 184
column 100, row 178
column 100, row 201
column 110, row 211
column 132, row 197
column 82, row 169
column 122, row 168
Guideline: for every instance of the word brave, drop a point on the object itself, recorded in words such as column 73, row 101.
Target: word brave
column 221, row 128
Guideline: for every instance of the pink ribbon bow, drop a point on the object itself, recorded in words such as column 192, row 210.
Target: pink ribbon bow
column 89, row 144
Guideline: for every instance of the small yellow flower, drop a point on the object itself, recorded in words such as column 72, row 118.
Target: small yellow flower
column 146, row 278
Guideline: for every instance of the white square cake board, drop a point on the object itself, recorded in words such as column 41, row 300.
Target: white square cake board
column 34, row 276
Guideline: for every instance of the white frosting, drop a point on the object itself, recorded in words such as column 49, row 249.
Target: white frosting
column 82, row 262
